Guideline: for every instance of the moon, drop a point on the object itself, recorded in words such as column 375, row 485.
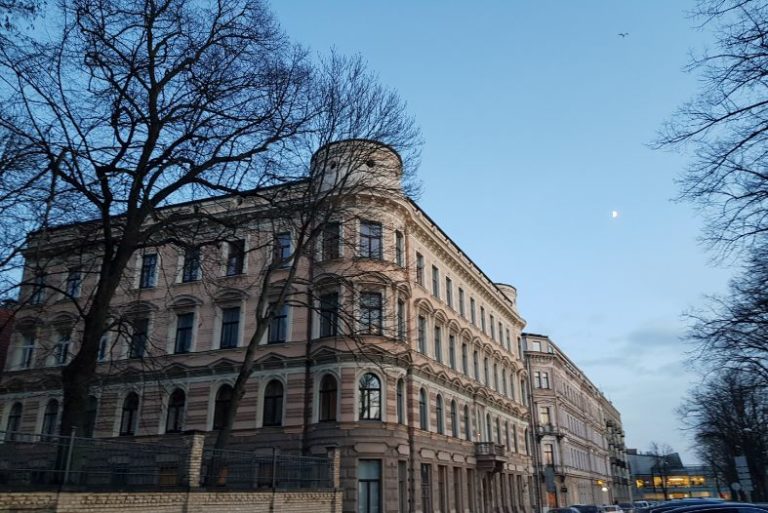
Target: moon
column 614, row 214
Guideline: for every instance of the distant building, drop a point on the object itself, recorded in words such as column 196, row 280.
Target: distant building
column 656, row 478
column 579, row 437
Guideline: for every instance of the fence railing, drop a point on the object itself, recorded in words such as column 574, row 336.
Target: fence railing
column 171, row 462
column 246, row 469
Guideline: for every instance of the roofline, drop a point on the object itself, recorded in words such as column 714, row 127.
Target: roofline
column 477, row 268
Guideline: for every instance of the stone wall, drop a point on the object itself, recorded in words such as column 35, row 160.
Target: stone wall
column 171, row 502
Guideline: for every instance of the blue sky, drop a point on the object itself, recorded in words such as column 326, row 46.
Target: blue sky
column 537, row 117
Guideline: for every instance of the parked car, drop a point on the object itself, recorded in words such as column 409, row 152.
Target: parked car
column 627, row 507
column 563, row 510
column 612, row 508
column 587, row 508
column 664, row 507
column 719, row 507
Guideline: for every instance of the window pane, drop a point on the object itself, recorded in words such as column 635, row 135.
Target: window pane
column 230, row 327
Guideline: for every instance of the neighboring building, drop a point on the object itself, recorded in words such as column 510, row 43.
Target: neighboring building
column 617, row 452
column 7, row 309
column 573, row 458
column 426, row 402
column 657, row 478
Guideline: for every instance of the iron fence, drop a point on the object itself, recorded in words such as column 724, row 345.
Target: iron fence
column 248, row 470
column 40, row 462
column 48, row 461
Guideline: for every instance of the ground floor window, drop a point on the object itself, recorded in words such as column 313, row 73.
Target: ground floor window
column 369, row 486
column 426, row 488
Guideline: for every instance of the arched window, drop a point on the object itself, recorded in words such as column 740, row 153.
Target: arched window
column 423, row 410
column 467, row 424
column 439, row 413
column 174, row 422
column 221, row 407
column 400, row 402
column 370, row 397
column 488, row 428
column 328, row 393
column 90, row 416
column 273, row 404
column 130, row 415
column 50, row 417
column 14, row 422
column 454, row 420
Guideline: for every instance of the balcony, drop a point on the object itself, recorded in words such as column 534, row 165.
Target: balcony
column 548, row 430
column 490, row 456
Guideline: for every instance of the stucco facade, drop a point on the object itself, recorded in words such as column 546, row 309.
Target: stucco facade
column 573, row 458
column 421, row 385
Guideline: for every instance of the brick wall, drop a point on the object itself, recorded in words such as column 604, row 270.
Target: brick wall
column 172, row 502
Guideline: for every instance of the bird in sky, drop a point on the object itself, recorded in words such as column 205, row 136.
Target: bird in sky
column 623, row 34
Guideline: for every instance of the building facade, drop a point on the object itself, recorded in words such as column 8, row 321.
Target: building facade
column 392, row 346
column 570, row 425
column 617, row 452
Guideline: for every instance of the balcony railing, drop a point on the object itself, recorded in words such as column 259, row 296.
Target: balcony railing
column 548, row 430
column 490, row 456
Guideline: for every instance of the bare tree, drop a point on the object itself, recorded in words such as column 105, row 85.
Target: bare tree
column 726, row 125
column 727, row 416
column 131, row 107
column 663, row 463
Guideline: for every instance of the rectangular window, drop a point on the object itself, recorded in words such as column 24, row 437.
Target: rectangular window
column 400, row 319
column 509, row 342
column 442, row 490
column 371, row 313
column 549, row 454
column 422, row 334
column 545, row 416
column 435, row 282
column 464, row 358
column 331, row 241
column 62, row 349
column 426, row 488
column 139, row 338
column 235, row 257
column 482, row 319
column 148, row 278
column 191, row 269
column 476, row 365
column 449, row 292
column 184, row 323
column 278, row 326
column 486, row 371
column 38, row 290
column 544, row 380
column 438, row 344
column 420, row 269
column 452, row 351
column 370, row 239
column 399, row 249
column 472, row 316
column 461, row 302
column 471, row 489
column 369, row 486
column 103, row 347
column 329, row 314
column 74, row 281
column 493, row 329
column 501, row 334
column 458, row 506
column 282, row 248
column 27, row 350
column 230, row 327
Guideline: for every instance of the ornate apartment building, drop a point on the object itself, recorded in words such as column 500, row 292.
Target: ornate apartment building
column 575, row 427
column 392, row 346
